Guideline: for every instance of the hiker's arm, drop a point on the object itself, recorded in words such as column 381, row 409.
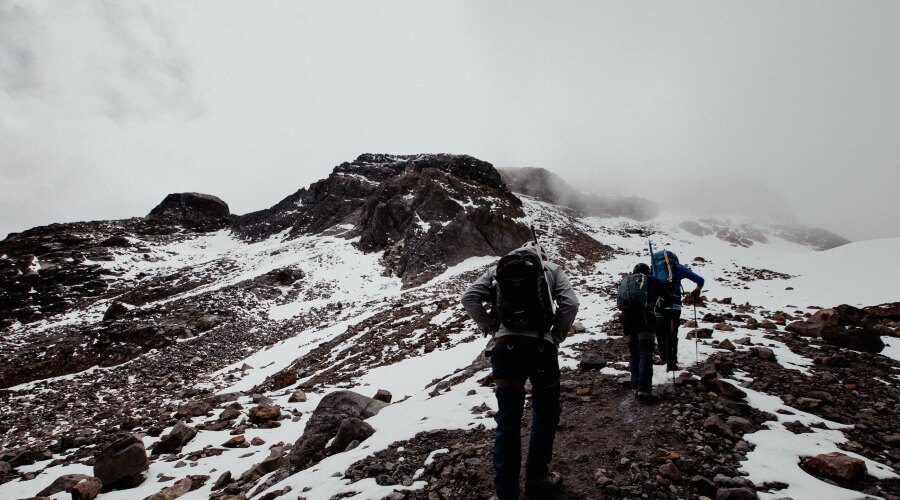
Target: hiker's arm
column 566, row 301
column 474, row 298
column 696, row 278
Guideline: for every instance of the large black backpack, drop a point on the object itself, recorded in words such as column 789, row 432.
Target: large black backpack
column 523, row 298
column 632, row 293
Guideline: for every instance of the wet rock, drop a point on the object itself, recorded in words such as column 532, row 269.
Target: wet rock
column 172, row 442
column 591, row 360
column 325, row 421
column 121, row 463
column 383, row 395
column 835, row 466
column 264, row 413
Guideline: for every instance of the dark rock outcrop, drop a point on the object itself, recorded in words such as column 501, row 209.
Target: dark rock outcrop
column 425, row 212
column 196, row 211
column 325, row 424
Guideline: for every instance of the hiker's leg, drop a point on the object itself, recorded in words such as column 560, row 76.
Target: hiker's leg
column 674, row 323
column 634, row 360
column 645, row 348
column 545, row 413
column 509, row 377
column 662, row 335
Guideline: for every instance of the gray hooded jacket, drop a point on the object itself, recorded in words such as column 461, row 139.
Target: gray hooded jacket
column 560, row 290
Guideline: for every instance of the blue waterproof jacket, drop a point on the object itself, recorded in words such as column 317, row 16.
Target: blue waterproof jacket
column 682, row 272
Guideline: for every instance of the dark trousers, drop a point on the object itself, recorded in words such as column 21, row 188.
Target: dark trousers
column 513, row 360
column 667, row 334
column 640, row 347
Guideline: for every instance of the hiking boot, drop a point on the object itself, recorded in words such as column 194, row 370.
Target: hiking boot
column 551, row 481
column 645, row 397
column 659, row 361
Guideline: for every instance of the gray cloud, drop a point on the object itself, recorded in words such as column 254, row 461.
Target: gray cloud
column 779, row 110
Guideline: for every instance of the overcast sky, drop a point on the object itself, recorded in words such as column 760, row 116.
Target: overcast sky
column 785, row 110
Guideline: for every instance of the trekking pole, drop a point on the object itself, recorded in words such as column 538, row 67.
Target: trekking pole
column 696, row 342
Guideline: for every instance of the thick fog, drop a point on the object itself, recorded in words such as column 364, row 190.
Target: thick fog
column 789, row 111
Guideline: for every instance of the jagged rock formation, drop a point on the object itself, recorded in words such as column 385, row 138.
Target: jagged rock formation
column 202, row 212
column 426, row 212
column 547, row 186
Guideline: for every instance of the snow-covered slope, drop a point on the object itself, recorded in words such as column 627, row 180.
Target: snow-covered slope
column 347, row 324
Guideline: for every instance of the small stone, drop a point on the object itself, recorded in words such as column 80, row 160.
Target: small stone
column 671, row 472
column 591, row 360
column 235, row 442
column 298, row 396
column 257, row 441
column 836, row 466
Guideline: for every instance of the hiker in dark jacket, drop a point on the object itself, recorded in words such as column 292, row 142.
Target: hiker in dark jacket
column 639, row 324
column 669, row 318
column 519, row 355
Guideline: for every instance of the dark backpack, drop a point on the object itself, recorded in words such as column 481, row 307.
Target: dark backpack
column 632, row 293
column 523, row 299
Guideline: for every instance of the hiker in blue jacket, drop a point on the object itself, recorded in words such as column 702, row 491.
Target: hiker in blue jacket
column 666, row 268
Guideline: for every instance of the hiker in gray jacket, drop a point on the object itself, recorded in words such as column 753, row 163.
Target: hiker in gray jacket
column 525, row 349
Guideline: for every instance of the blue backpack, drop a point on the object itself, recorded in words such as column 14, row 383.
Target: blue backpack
column 665, row 266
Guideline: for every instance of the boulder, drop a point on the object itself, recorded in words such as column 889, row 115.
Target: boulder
column 763, row 353
column 835, row 466
column 715, row 425
column 115, row 310
column 384, row 395
column 196, row 408
column 121, row 463
column 178, row 489
column 729, row 391
column 325, row 422
column 727, row 345
column 735, row 494
column 283, row 379
column 700, row 333
column 591, row 360
column 297, row 397
column 671, row 472
column 174, row 440
column 803, row 328
column 63, row 483
column 264, row 413
column 88, row 489
column 739, row 425
column 824, row 317
column 857, row 339
column 351, row 429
